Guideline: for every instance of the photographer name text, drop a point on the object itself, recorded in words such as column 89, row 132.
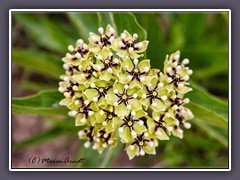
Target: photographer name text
column 67, row 160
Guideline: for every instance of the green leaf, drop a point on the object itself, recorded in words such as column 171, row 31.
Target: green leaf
column 35, row 86
column 45, row 64
column 213, row 58
column 211, row 132
column 40, row 138
column 44, row 103
column 156, row 50
column 202, row 98
column 84, row 22
column 208, row 108
column 43, row 31
column 196, row 20
column 208, row 116
column 127, row 21
column 61, row 127
column 46, row 135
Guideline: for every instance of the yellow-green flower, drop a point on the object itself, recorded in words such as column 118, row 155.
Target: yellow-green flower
column 126, row 46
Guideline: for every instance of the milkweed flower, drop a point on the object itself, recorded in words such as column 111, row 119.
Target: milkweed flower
column 116, row 97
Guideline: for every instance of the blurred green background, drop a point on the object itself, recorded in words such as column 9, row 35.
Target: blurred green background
column 40, row 40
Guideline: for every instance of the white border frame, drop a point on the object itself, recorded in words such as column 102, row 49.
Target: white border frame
column 119, row 10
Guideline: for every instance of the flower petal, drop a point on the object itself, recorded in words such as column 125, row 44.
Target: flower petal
column 159, row 105
column 102, row 103
column 117, row 122
column 139, row 129
column 85, row 63
column 123, row 78
column 151, row 125
column 149, row 149
column 126, row 134
column 143, row 65
column 91, row 93
column 140, row 113
column 178, row 133
column 162, row 135
column 100, row 118
column 106, row 75
column 78, row 121
column 132, row 152
column 135, row 83
column 127, row 64
column 169, row 121
column 143, row 46
column 109, row 128
column 135, row 103
column 162, row 91
column 111, row 98
column 121, row 110
column 154, row 82
column 145, row 102
column 108, row 32
column 115, row 44
column 123, row 54
column 182, row 72
column 184, row 89
column 93, row 120
column 119, row 87
column 92, row 37
column 128, row 35
column 134, row 55
column 65, row 102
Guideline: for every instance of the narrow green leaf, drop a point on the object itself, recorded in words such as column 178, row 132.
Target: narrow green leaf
column 44, row 103
column 35, row 86
column 45, row 64
column 207, row 115
column 211, row 132
column 43, row 31
column 61, row 128
column 202, row 98
column 105, row 18
column 85, row 22
column 40, row 138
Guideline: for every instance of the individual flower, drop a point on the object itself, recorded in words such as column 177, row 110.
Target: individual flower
column 97, row 92
column 130, row 125
column 126, row 46
column 177, row 73
column 161, row 124
column 140, row 146
column 135, row 74
column 83, row 110
column 86, row 134
column 103, row 139
column 123, row 98
column 76, row 53
column 106, row 64
column 87, row 73
column 104, row 39
column 154, row 96
column 106, row 117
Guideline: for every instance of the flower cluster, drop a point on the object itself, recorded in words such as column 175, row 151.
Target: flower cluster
column 114, row 94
